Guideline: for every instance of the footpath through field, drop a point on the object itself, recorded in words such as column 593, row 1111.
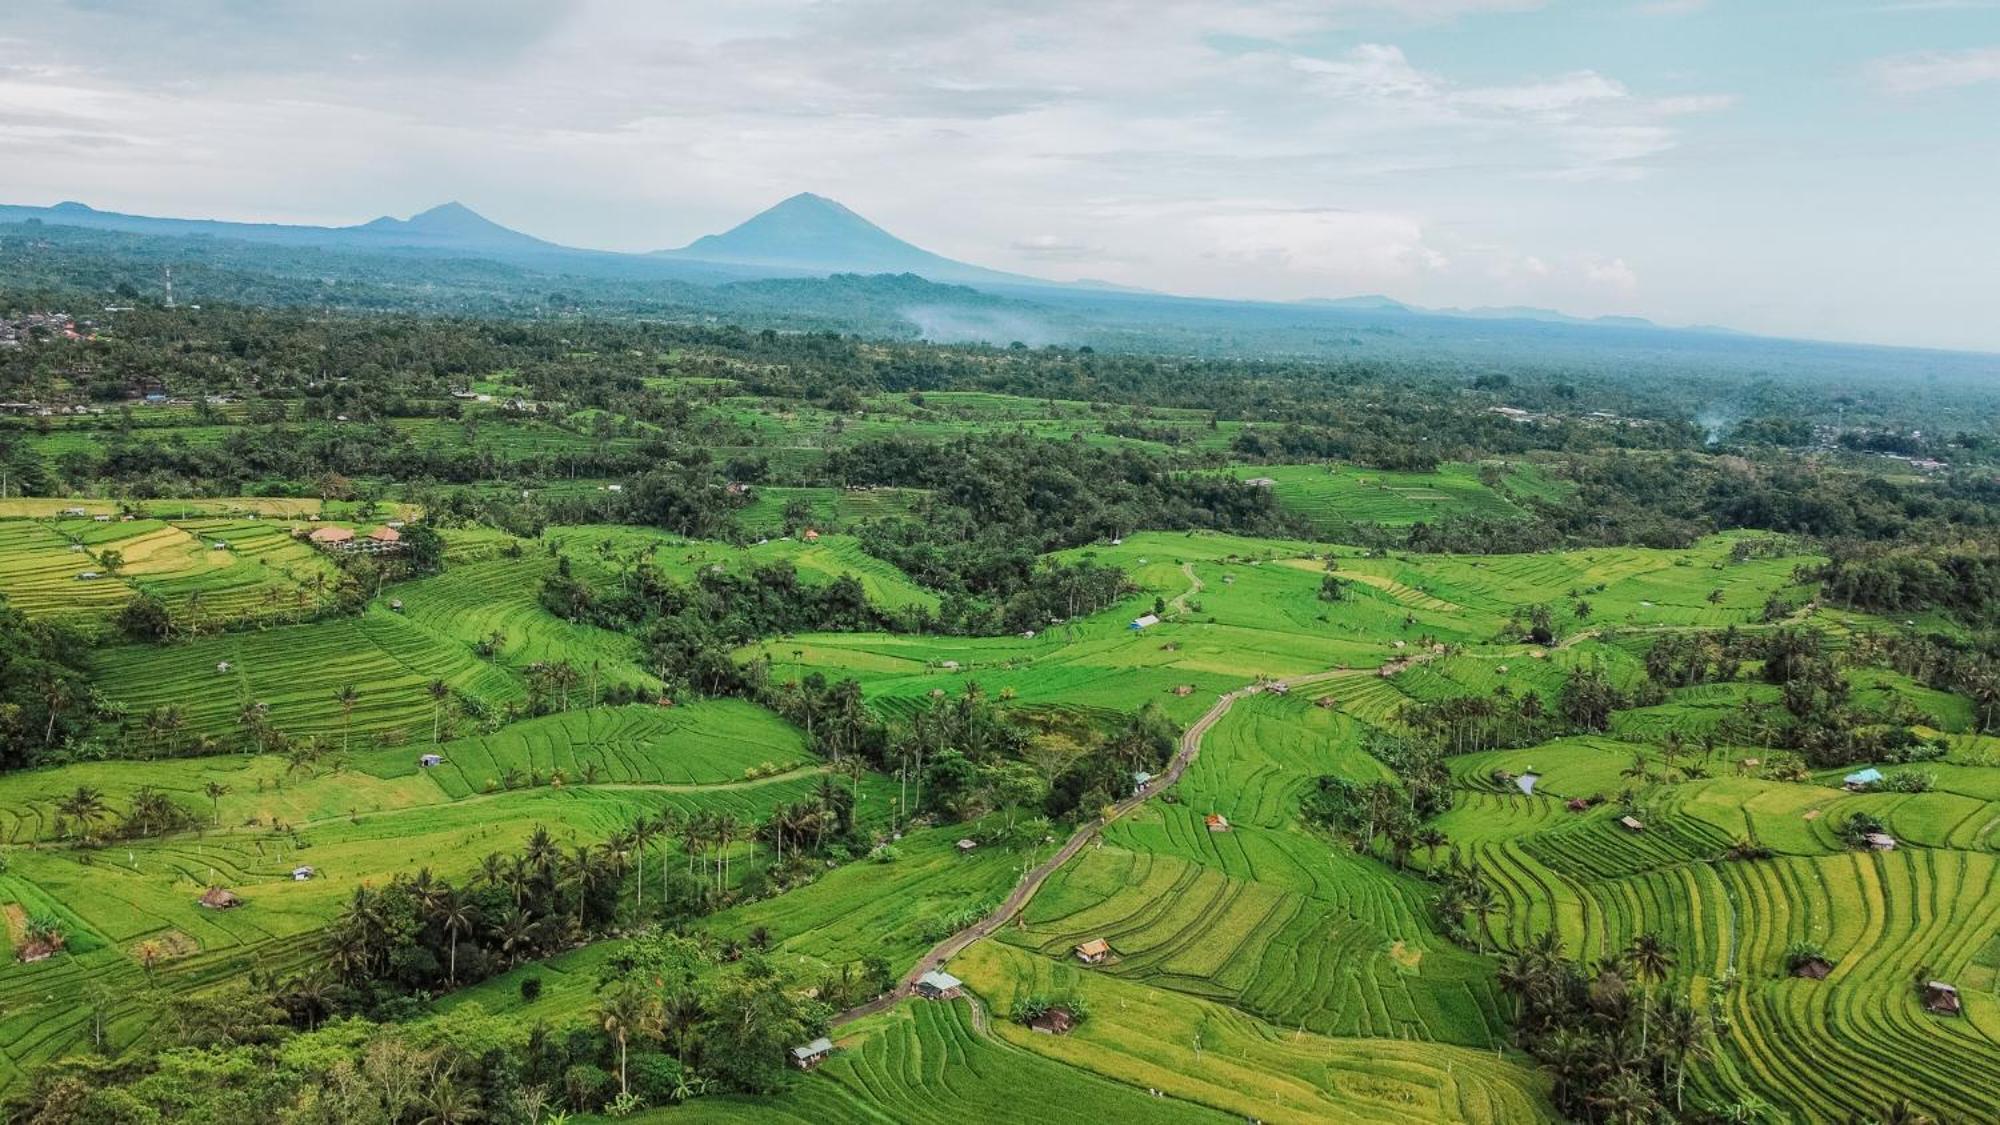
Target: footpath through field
column 951, row 946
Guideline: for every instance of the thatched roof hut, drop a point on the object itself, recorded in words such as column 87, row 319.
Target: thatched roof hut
column 218, row 898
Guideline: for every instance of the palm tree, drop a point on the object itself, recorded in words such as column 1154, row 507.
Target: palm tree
column 1684, row 1035
column 1520, row 973
column 85, row 806
column 347, row 697
column 1483, row 903
column 1626, row 1099
column 726, row 829
column 641, row 834
column 457, row 913
column 627, row 1012
column 448, row 1103
column 1651, row 960
column 1431, row 840
column 215, row 791
column 439, row 692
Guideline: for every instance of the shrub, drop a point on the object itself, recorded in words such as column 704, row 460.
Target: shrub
column 531, row 989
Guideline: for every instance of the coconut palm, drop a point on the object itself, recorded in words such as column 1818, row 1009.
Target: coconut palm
column 448, row 1103
column 215, row 791
column 347, row 697
column 1651, row 959
column 85, row 807
column 1684, row 1035
column 457, row 913
column 439, row 691
column 627, row 1012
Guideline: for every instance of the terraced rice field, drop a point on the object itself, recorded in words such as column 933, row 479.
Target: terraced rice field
column 1334, row 498
column 298, row 671
column 379, row 815
column 1212, row 1054
column 208, row 571
column 924, row 1063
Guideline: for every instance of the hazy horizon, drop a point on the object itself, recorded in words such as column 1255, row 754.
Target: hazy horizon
column 1806, row 170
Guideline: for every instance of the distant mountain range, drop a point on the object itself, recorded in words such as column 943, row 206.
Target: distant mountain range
column 806, row 235
column 1375, row 302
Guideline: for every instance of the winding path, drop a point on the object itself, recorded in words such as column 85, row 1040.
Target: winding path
column 951, row 946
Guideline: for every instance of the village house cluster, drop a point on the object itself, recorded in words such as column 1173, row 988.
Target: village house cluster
column 17, row 330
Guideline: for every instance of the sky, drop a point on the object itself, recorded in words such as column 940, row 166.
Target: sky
column 1818, row 168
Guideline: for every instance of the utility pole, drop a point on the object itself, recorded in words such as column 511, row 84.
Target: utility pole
column 170, row 287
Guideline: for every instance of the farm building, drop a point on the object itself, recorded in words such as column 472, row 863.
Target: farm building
column 1813, row 968
column 382, row 540
column 1144, row 621
column 1862, row 779
column 1094, row 951
column 1184, row 689
column 939, row 985
column 1632, row 823
column 1880, row 841
column 431, row 761
column 1941, row 998
column 967, row 845
column 331, row 538
column 216, row 898
column 812, row 1054
column 1216, row 822
column 301, row 873
column 1055, row 1021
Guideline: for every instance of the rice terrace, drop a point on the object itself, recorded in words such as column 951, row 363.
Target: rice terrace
column 675, row 666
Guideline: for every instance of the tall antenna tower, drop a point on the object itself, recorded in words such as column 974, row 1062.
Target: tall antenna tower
column 170, row 287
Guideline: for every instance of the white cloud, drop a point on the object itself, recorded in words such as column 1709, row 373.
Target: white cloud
column 1610, row 273
column 1920, row 72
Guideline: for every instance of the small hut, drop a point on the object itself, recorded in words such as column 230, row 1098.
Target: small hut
column 940, row 985
column 1577, row 804
column 1054, row 1021
column 1862, row 779
column 1942, row 999
column 1216, row 822
column 302, row 872
column 812, row 1054
column 1094, row 951
column 1139, row 782
column 966, row 845
column 1880, row 841
column 1812, row 968
column 1183, row 689
column 1632, row 824
column 216, row 898
column 430, row 761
